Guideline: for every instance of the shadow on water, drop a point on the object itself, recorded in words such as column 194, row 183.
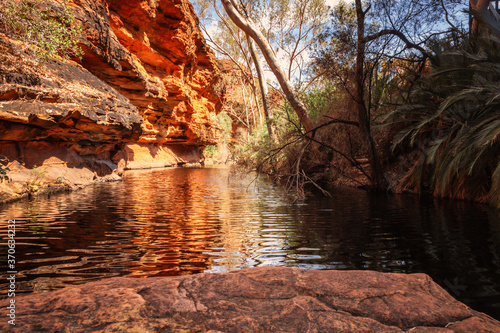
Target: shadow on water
column 193, row 220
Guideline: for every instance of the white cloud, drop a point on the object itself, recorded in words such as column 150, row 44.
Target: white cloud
column 331, row 3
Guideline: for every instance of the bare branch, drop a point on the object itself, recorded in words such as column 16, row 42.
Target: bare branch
column 399, row 34
column 447, row 18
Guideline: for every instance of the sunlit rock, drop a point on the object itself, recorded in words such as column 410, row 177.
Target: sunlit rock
column 145, row 94
column 252, row 300
column 153, row 53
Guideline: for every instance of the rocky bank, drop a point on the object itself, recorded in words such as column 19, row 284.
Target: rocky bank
column 145, row 94
column 272, row 299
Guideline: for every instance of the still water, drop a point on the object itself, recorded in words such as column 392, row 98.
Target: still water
column 192, row 220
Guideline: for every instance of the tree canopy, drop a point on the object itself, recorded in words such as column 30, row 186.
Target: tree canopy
column 373, row 60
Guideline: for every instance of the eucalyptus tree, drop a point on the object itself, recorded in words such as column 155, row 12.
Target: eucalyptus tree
column 271, row 128
column 291, row 28
column 232, row 43
column 288, row 28
column 245, row 23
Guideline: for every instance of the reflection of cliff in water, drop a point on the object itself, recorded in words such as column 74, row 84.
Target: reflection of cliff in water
column 184, row 221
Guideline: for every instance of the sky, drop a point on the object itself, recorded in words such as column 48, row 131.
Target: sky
column 331, row 3
column 268, row 74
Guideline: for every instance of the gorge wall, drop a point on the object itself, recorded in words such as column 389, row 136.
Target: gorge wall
column 153, row 53
column 145, row 94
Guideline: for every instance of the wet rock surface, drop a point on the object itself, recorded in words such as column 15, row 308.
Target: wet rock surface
column 273, row 299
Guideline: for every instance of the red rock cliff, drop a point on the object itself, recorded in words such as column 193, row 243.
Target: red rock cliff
column 153, row 53
column 145, row 95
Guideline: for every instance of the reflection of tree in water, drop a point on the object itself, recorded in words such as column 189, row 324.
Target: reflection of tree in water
column 34, row 225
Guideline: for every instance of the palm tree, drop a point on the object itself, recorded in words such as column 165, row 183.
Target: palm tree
column 454, row 122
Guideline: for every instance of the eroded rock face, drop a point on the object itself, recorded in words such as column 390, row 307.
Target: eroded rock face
column 153, row 53
column 145, row 94
column 60, row 102
column 252, row 300
column 58, row 117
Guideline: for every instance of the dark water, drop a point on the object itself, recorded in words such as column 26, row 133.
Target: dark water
column 185, row 221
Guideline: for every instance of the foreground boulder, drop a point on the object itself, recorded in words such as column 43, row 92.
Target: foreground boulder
column 251, row 300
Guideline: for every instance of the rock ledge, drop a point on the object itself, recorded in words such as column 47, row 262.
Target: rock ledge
column 273, row 299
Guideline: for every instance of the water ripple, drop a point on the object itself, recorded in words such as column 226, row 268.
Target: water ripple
column 193, row 220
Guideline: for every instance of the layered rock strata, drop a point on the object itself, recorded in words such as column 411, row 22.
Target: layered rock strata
column 59, row 118
column 145, row 94
column 153, row 53
column 251, row 300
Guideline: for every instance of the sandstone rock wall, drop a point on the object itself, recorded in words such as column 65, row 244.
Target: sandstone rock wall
column 153, row 53
column 145, row 94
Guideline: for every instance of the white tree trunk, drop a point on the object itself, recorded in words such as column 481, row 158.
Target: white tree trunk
column 263, row 88
column 249, row 27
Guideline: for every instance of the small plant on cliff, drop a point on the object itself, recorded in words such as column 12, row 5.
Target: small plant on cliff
column 47, row 25
column 3, row 169
column 3, row 173
column 36, row 179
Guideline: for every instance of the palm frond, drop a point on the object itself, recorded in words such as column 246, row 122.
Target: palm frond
column 455, row 122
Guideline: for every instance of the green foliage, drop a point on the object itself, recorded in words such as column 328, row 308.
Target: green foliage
column 225, row 123
column 213, row 152
column 454, row 121
column 3, row 168
column 321, row 100
column 35, row 180
column 253, row 152
column 210, row 151
column 3, row 173
column 48, row 26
